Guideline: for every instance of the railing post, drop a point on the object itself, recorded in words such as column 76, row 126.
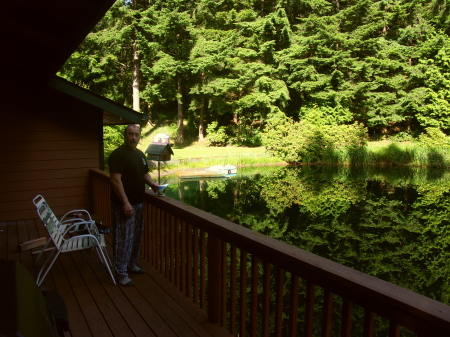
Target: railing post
column 210, row 288
column 214, row 278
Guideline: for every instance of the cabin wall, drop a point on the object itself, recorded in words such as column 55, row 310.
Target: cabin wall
column 48, row 143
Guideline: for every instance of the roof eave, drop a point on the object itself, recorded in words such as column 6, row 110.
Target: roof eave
column 113, row 113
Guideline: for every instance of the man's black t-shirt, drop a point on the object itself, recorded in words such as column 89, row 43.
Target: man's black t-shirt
column 132, row 165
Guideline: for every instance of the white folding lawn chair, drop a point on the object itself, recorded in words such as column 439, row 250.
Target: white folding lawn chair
column 69, row 234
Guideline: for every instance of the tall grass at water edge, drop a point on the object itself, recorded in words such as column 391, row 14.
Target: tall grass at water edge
column 385, row 153
column 408, row 153
column 371, row 155
column 247, row 159
column 392, row 154
column 381, row 153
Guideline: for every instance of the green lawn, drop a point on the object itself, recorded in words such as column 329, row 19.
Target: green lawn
column 198, row 151
column 377, row 152
column 186, row 156
column 383, row 144
column 203, row 151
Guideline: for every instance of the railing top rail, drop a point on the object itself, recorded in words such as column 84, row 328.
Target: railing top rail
column 389, row 300
column 409, row 309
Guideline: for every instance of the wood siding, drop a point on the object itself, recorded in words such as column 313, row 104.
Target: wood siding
column 48, row 143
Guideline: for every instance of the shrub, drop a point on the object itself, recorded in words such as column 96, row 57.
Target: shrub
column 434, row 138
column 215, row 135
column 245, row 133
column 402, row 137
column 279, row 138
column 308, row 142
column 434, row 147
column 112, row 138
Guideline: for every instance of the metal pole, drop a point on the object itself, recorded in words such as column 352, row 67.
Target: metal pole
column 159, row 173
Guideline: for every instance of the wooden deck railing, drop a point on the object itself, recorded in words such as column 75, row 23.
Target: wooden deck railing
column 254, row 285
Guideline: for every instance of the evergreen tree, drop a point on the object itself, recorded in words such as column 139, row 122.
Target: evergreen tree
column 380, row 63
column 166, row 74
column 106, row 62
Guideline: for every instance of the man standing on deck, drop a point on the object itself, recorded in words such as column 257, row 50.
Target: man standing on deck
column 128, row 175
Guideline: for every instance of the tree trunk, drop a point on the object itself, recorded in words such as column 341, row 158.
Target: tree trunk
column 136, row 101
column 150, row 113
column 201, row 122
column 338, row 6
column 180, row 138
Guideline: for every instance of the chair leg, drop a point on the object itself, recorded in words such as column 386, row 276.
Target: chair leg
column 107, row 257
column 105, row 261
column 52, row 260
column 42, row 251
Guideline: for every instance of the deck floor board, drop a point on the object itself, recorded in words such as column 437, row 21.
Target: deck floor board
column 97, row 307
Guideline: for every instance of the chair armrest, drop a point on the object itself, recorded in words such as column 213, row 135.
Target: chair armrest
column 76, row 213
column 77, row 237
column 77, row 225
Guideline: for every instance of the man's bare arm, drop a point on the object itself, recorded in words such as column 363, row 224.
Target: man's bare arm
column 116, row 182
column 150, row 182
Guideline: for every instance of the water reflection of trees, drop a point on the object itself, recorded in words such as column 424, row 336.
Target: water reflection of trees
column 390, row 223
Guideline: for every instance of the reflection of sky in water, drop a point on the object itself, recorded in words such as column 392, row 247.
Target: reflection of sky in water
column 390, row 223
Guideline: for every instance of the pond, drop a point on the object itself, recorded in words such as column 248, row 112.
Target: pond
column 391, row 223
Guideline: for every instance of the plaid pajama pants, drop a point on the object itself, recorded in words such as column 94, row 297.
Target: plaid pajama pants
column 127, row 238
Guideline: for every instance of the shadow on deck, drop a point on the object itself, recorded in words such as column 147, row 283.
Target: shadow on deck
column 96, row 307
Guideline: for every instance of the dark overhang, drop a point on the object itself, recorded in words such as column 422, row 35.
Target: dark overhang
column 38, row 36
column 113, row 113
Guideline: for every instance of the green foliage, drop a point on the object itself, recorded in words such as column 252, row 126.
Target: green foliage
column 392, row 154
column 245, row 133
column 325, row 115
column 312, row 139
column 436, row 110
column 392, row 224
column 382, row 64
column 216, row 135
column 434, row 138
column 435, row 146
column 402, row 136
column 112, row 138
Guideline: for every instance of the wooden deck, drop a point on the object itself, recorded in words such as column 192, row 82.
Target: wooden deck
column 96, row 307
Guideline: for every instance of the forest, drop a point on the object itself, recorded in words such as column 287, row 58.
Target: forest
column 230, row 70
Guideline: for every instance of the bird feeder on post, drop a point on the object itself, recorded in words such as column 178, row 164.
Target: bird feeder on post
column 159, row 151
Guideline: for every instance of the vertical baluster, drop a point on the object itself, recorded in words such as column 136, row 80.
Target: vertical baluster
column 369, row 323
column 196, row 254
column 160, row 239
column 326, row 313
column 254, row 296
column 309, row 310
column 183, row 257
column 166, row 234
column 189, row 261
column 223, row 283
column 233, row 289
column 154, row 236
column 179, row 224
column 214, row 278
column 173, row 262
column 203, row 271
column 243, row 296
column 394, row 329
column 346, row 318
column 162, row 216
column 266, row 299
column 279, row 289
column 145, row 251
column 293, row 312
